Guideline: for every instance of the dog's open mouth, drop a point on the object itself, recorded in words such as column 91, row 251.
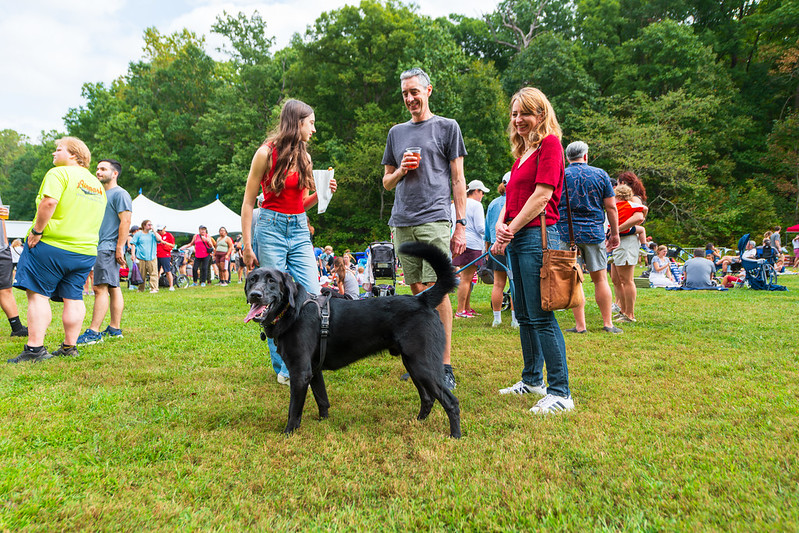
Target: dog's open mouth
column 257, row 312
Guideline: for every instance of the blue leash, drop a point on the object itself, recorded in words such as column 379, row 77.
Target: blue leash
column 505, row 268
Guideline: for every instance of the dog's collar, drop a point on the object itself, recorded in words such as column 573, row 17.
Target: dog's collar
column 278, row 317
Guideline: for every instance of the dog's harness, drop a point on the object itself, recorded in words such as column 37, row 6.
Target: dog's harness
column 322, row 301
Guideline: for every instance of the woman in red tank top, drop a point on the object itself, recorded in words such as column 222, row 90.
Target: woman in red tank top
column 282, row 170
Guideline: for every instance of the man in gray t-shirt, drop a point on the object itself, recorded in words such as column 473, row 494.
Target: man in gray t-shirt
column 422, row 181
column 110, row 256
column 699, row 271
column 7, row 301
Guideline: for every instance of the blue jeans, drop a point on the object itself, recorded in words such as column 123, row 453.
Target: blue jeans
column 284, row 243
column 541, row 338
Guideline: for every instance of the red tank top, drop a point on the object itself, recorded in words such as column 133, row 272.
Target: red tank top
column 289, row 201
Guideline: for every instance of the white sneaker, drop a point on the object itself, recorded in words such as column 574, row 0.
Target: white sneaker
column 552, row 404
column 153, row 292
column 496, row 323
column 514, row 324
column 171, row 288
column 615, row 308
column 283, row 380
column 523, row 388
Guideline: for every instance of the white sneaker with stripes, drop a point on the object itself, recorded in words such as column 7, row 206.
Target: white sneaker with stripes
column 552, row 404
column 523, row 388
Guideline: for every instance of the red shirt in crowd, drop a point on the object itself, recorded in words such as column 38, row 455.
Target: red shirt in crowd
column 163, row 250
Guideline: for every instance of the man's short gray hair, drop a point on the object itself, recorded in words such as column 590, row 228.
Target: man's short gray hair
column 576, row 150
column 424, row 79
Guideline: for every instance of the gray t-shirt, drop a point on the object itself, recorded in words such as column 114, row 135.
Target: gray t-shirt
column 118, row 201
column 423, row 195
column 775, row 241
column 697, row 272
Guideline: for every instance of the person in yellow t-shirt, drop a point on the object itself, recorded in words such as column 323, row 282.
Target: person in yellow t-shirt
column 61, row 248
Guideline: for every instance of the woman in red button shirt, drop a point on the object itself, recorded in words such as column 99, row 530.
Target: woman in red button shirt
column 535, row 185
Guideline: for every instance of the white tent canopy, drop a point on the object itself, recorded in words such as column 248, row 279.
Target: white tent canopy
column 213, row 216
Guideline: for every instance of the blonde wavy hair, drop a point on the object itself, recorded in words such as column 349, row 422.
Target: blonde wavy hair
column 78, row 148
column 533, row 101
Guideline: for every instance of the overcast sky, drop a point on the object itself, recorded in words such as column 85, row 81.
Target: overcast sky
column 50, row 48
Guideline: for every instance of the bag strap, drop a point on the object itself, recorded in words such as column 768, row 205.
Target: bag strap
column 543, row 216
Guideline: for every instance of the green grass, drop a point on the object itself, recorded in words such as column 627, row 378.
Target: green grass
column 687, row 421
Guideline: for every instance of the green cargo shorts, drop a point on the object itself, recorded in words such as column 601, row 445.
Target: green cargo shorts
column 436, row 233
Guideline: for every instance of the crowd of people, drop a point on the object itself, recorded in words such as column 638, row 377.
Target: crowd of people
column 82, row 225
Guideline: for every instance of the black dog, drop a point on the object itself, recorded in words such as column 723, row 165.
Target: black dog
column 408, row 326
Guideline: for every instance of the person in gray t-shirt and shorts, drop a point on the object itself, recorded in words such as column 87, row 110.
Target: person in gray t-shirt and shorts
column 422, row 180
column 110, row 256
column 7, row 301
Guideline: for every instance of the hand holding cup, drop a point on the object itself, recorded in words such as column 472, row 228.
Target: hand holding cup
column 412, row 157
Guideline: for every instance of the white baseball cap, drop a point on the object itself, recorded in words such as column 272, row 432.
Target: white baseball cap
column 476, row 185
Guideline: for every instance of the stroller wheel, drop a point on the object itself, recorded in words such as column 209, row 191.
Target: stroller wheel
column 505, row 300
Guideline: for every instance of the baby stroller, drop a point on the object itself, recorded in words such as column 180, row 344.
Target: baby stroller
column 383, row 265
column 179, row 280
column 760, row 273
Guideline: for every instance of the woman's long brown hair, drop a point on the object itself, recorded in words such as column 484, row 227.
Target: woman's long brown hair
column 291, row 149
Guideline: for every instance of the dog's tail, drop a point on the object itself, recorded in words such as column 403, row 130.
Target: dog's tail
column 445, row 277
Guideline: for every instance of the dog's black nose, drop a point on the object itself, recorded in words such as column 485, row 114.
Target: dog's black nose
column 255, row 295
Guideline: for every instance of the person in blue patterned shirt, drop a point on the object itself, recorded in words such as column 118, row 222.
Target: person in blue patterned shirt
column 591, row 197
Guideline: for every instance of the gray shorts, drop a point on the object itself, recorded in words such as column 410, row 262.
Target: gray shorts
column 593, row 255
column 106, row 268
column 6, row 269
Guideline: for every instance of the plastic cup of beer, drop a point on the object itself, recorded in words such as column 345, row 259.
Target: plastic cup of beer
column 4, row 212
column 415, row 151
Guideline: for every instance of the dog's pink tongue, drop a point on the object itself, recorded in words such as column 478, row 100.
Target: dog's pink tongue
column 255, row 310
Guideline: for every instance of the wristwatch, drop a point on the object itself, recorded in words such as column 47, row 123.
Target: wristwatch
column 461, row 221
column 37, row 233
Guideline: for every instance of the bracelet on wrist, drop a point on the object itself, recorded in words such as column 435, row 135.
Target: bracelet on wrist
column 37, row 233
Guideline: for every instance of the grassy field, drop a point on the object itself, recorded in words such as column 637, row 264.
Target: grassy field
column 687, row 421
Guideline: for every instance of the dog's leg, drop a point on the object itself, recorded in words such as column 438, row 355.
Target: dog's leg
column 299, row 391
column 452, row 407
column 320, row 393
column 425, row 397
column 430, row 385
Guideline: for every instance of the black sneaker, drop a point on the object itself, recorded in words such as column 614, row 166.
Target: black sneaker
column 449, row 378
column 21, row 332
column 66, row 351
column 27, row 354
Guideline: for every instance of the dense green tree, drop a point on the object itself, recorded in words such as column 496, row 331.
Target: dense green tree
column 782, row 162
column 12, row 146
column 240, row 109
column 668, row 56
column 147, row 120
column 656, row 138
column 25, row 176
column 555, row 66
column 475, row 38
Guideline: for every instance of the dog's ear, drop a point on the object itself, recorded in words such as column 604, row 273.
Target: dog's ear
column 291, row 288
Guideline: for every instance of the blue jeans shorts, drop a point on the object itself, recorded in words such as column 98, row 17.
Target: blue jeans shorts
column 53, row 272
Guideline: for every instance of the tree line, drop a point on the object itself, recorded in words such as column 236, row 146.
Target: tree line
column 700, row 99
